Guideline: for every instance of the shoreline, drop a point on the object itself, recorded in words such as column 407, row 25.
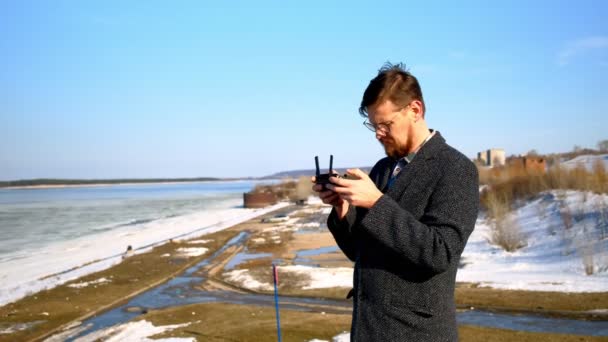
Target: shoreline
column 60, row 186
column 58, row 268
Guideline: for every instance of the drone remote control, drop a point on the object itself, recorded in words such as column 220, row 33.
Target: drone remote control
column 323, row 178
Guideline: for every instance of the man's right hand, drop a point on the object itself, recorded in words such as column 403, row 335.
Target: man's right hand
column 332, row 198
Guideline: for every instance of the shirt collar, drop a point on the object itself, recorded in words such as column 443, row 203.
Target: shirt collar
column 408, row 158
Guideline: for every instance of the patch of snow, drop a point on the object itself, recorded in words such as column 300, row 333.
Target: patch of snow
column 277, row 229
column 322, row 277
column 306, row 211
column 314, row 200
column 87, row 283
column 258, row 240
column 343, row 337
column 186, row 252
column 586, row 161
column 309, row 225
column 69, row 332
column 134, row 331
column 598, row 311
column 166, row 255
column 199, row 241
column 244, row 279
column 18, row 327
column 553, row 257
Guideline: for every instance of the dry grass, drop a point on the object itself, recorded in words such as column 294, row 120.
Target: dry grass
column 506, row 187
column 227, row 322
column 512, row 187
column 291, row 190
column 479, row 334
column 505, row 231
column 563, row 304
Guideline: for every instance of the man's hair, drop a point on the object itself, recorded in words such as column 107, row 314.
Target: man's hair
column 395, row 83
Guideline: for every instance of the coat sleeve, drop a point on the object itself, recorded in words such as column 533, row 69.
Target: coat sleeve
column 342, row 230
column 435, row 241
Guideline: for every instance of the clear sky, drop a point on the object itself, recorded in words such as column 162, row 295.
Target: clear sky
column 110, row 89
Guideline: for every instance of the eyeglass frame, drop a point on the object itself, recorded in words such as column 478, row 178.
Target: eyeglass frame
column 384, row 127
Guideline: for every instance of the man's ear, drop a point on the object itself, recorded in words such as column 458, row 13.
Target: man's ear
column 417, row 111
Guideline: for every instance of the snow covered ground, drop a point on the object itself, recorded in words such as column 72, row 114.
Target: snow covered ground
column 62, row 262
column 318, row 277
column 587, row 161
column 562, row 231
column 343, row 337
column 133, row 331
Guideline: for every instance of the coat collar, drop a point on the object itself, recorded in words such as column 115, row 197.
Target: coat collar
column 418, row 166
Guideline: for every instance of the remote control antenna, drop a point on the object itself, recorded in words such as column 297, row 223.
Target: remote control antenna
column 331, row 163
column 317, row 164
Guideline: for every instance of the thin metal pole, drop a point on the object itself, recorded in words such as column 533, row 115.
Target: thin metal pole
column 275, row 277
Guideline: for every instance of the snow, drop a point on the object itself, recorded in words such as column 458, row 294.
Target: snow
column 343, row 337
column 191, row 252
column 314, row 200
column 587, row 161
column 318, row 277
column 64, row 261
column 553, row 258
column 199, row 241
column 244, row 279
column 134, row 331
column 18, row 327
column 321, row 277
column 87, row 283
column 309, row 225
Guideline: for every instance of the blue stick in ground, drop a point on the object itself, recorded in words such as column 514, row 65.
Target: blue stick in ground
column 275, row 277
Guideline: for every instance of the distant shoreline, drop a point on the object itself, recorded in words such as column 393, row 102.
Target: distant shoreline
column 126, row 182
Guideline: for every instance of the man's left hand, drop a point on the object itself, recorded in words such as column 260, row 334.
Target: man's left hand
column 358, row 189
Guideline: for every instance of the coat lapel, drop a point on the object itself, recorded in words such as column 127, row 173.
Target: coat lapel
column 385, row 176
column 418, row 167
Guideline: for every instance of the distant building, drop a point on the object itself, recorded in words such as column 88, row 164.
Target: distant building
column 492, row 157
column 527, row 164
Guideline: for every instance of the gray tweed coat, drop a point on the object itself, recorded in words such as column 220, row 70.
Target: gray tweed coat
column 407, row 247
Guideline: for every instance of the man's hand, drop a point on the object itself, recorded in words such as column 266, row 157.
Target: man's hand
column 331, row 198
column 359, row 191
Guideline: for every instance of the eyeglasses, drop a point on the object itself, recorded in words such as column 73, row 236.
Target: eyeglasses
column 382, row 127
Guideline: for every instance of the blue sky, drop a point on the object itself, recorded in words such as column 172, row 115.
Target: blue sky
column 107, row 89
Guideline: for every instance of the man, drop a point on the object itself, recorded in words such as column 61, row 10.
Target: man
column 406, row 224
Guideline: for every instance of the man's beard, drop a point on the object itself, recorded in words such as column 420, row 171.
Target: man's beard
column 393, row 150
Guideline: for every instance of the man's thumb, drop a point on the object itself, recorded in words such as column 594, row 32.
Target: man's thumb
column 357, row 173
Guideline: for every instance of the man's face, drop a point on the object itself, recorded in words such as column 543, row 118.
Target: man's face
column 399, row 123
